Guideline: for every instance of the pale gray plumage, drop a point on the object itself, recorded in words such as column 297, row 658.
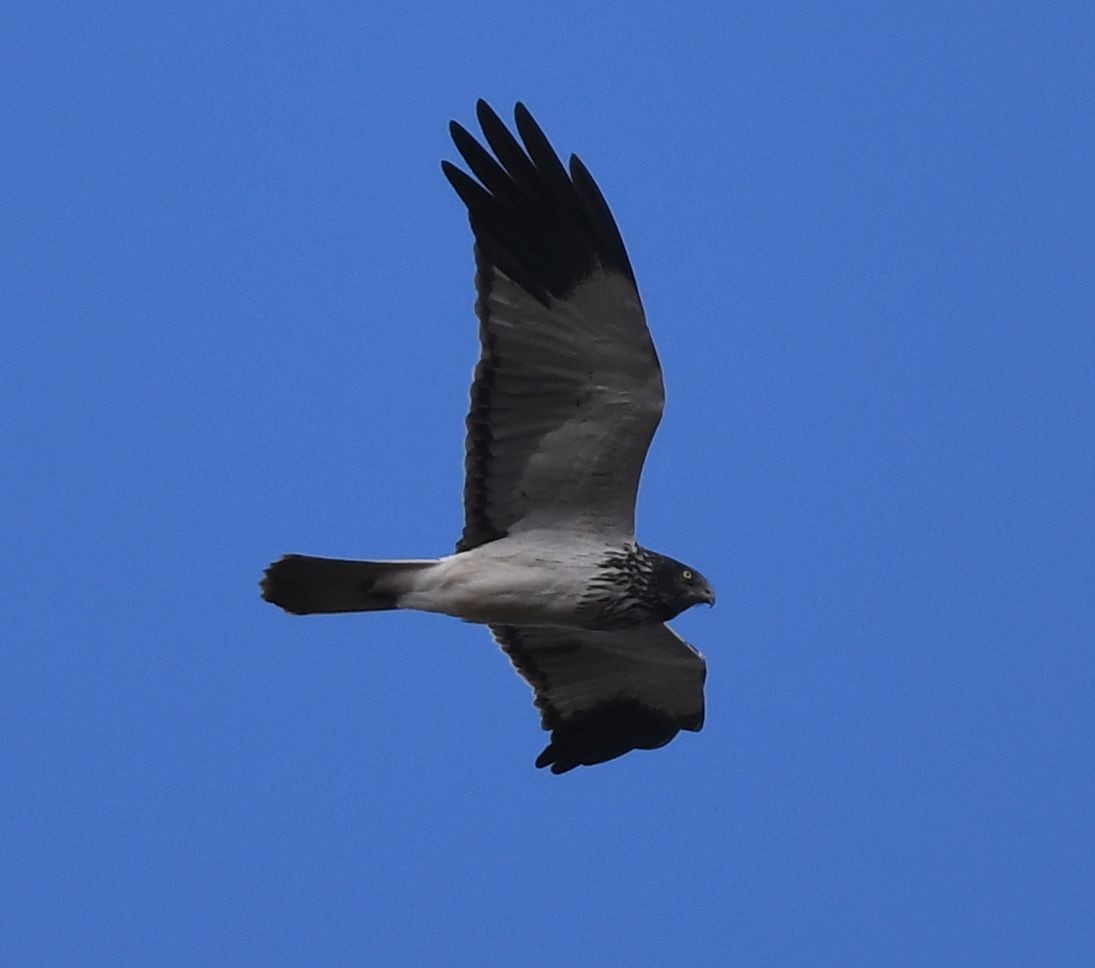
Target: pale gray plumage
column 566, row 397
column 570, row 417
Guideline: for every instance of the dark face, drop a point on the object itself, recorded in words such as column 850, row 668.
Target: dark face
column 677, row 587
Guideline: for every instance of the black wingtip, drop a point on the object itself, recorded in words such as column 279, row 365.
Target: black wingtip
column 539, row 224
column 548, row 759
column 606, row 733
column 485, row 113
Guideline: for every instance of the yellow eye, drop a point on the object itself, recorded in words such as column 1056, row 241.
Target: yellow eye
column 686, row 575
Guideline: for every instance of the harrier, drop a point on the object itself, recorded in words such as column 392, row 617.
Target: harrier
column 565, row 399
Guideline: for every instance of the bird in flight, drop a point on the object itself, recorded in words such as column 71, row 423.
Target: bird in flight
column 565, row 399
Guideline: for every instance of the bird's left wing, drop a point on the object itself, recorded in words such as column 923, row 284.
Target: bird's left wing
column 568, row 390
column 603, row 694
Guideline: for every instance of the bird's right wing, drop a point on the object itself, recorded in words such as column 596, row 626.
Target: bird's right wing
column 603, row 694
column 568, row 391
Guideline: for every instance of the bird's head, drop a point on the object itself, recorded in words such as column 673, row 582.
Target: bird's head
column 678, row 586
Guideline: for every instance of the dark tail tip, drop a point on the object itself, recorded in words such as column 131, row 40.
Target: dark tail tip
column 304, row 585
column 283, row 584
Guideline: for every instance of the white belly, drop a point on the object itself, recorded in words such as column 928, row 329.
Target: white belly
column 502, row 583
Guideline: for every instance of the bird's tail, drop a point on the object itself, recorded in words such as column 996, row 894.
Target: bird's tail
column 304, row 585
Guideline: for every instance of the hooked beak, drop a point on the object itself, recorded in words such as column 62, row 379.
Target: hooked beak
column 709, row 596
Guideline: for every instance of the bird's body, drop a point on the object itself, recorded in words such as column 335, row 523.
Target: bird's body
column 522, row 579
column 566, row 397
column 528, row 578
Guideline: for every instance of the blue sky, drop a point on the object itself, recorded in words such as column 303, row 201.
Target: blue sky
column 238, row 322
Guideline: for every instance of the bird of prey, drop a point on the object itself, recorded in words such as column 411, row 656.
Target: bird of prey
column 565, row 399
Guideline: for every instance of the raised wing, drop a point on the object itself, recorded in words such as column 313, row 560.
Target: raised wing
column 603, row 694
column 568, row 391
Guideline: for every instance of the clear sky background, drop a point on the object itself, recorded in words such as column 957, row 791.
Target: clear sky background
column 237, row 321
